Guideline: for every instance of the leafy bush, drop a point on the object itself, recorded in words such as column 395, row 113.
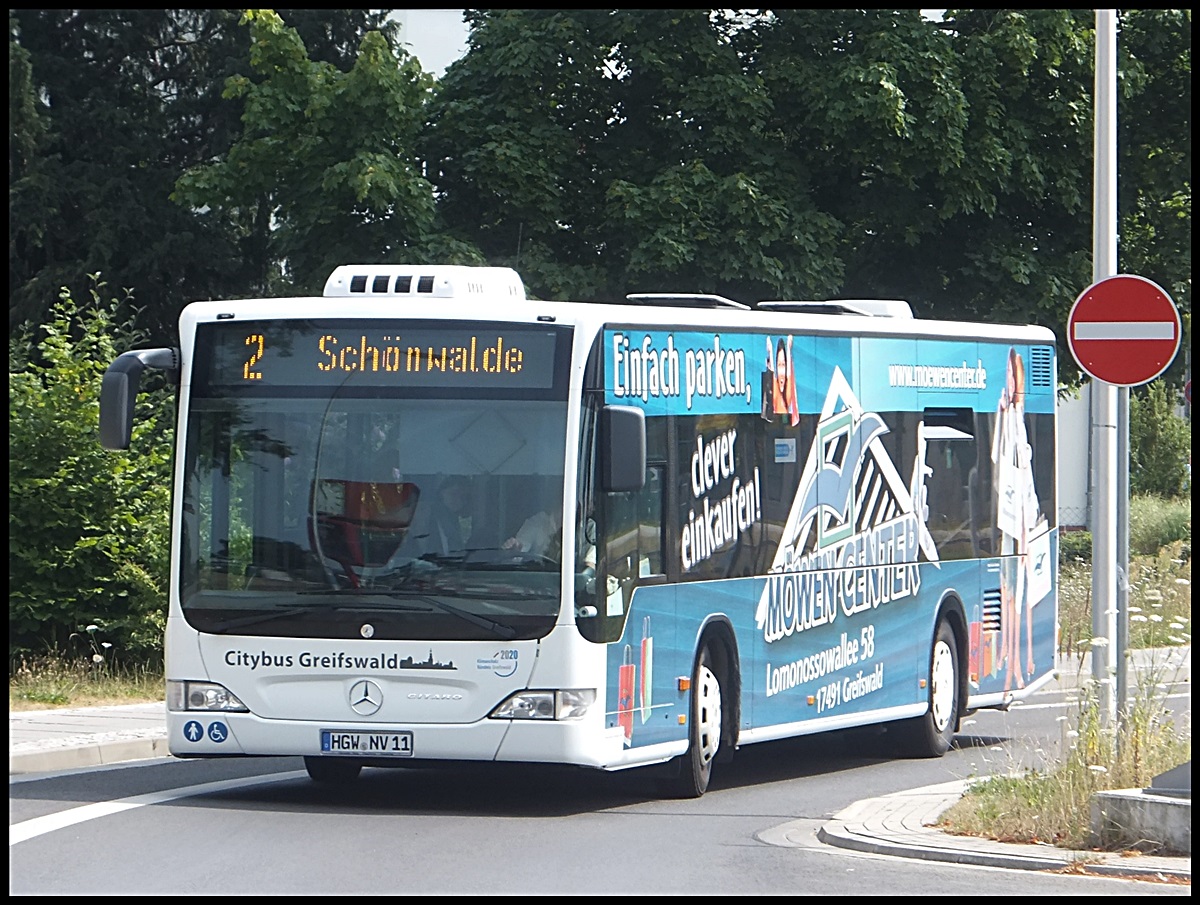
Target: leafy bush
column 1075, row 545
column 1155, row 523
column 1160, row 444
column 88, row 528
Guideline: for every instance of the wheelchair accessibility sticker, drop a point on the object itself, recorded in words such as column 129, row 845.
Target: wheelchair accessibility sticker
column 193, row 731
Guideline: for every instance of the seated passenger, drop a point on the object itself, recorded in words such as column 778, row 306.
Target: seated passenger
column 437, row 527
column 540, row 535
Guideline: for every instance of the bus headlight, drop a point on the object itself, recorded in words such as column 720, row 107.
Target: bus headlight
column 202, row 696
column 563, row 704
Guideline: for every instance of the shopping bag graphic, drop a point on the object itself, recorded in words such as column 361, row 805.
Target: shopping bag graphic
column 647, row 687
column 975, row 654
column 625, row 683
column 1038, row 579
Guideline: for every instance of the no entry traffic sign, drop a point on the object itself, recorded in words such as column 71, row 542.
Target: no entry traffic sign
column 1123, row 330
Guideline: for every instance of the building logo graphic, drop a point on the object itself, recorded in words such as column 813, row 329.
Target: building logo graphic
column 855, row 531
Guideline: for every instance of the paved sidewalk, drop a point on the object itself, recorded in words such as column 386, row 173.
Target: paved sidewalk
column 41, row 741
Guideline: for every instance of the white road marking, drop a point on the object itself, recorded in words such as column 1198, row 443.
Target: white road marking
column 38, row 826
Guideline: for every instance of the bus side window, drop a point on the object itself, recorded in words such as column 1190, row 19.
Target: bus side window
column 629, row 550
column 651, row 523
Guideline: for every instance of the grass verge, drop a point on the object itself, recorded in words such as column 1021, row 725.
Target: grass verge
column 49, row 682
column 1054, row 806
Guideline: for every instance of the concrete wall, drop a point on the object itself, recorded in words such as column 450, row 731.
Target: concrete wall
column 1074, row 464
column 1142, row 821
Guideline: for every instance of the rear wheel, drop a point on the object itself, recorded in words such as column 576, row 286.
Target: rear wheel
column 332, row 770
column 693, row 770
column 930, row 735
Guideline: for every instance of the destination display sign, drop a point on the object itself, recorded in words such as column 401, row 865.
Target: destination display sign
column 310, row 353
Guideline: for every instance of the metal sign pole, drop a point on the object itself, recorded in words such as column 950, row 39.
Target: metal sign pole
column 1104, row 436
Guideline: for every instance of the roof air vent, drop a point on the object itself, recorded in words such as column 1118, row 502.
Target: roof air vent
column 867, row 307
column 683, row 300
column 448, row 281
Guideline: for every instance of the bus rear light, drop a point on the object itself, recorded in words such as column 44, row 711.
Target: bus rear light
column 207, row 696
column 564, row 704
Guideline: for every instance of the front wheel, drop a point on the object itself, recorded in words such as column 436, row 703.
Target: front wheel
column 694, row 769
column 332, row 770
column 930, row 735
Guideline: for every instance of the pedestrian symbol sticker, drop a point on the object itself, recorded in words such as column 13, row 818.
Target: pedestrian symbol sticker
column 193, row 731
column 218, row 731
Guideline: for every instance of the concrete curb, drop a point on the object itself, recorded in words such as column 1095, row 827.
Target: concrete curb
column 904, row 825
column 69, row 738
column 86, row 751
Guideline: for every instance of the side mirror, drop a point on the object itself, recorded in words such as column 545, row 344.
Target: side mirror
column 622, row 448
column 119, row 388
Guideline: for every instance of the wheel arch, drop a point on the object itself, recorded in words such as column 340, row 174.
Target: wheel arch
column 718, row 635
column 951, row 609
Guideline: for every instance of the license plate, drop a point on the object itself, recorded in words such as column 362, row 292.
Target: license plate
column 375, row 744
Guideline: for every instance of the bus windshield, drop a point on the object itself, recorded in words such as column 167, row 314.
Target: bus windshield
column 356, row 508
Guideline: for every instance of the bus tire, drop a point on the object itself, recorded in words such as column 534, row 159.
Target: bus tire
column 332, row 770
column 930, row 735
column 692, row 771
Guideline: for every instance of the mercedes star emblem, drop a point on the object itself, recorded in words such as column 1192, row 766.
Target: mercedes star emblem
column 365, row 697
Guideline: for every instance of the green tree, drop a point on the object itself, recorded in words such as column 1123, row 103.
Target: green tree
column 603, row 151
column 88, row 536
column 323, row 172
column 1160, row 443
column 1155, row 147
column 107, row 108
column 813, row 153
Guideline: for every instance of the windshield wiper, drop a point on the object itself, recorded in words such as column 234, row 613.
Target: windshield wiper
column 307, row 609
column 285, row 610
column 497, row 628
column 256, row 618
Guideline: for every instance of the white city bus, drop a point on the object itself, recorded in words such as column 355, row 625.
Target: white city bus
column 424, row 518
